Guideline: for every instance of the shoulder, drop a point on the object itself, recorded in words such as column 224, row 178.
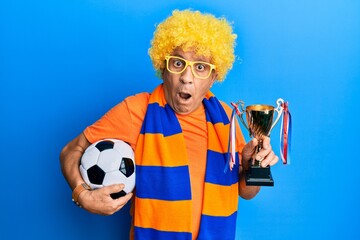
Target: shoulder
column 139, row 98
column 130, row 106
column 138, row 101
column 137, row 104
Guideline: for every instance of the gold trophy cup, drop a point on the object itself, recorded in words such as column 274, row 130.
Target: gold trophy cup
column 259, row 124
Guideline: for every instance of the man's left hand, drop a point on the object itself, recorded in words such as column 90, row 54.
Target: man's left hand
column 266, row 155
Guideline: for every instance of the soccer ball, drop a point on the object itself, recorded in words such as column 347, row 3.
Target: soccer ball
column 108, row 162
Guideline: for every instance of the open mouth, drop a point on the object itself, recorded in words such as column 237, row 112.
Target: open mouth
column 185, row 96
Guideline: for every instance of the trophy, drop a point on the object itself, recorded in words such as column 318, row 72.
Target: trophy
column 260, row 122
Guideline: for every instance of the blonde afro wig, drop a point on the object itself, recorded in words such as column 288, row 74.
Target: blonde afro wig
column 207, row 35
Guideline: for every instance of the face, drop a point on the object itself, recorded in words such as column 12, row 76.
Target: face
column 184, row 92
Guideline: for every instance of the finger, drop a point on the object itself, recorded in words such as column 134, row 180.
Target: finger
column 253, row 143
column 111, row 206
column 123, row 200
column 260, row 156
column 274, row 160
column 120, row 202
column 266, row 143
column 269, row 160
column 265, row 150
column 115, row 188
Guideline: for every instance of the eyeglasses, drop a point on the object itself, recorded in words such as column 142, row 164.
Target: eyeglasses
column 178, row 65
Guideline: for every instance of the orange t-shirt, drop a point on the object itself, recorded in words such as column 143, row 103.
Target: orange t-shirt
column 125, row 120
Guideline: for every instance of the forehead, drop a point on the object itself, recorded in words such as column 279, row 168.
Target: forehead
column 189, row 55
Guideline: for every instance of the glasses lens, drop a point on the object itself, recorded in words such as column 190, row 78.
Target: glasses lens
column 176, row 64
column 199, row 69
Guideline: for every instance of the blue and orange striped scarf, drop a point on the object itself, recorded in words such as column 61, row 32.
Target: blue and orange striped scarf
column 163, row 192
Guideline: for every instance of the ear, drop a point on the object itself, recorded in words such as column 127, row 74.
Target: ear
column 162, row 74
column 213, row 79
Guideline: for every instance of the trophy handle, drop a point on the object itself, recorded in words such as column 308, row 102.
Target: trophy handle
column 279, row 109
column 242, row 111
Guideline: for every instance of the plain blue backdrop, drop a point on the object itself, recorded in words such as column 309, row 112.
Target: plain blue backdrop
column 63, row 64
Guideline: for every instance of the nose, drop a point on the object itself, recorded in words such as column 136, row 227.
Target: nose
column 187, row 76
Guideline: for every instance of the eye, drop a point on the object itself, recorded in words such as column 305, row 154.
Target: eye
column 200, row 67
column 178, row 64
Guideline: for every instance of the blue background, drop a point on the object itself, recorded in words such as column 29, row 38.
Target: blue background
column 63, row 64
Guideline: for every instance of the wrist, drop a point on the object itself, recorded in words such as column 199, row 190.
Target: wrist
column 78, row 190
column 245, row 164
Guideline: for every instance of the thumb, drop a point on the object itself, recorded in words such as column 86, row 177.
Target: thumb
column 249, row 149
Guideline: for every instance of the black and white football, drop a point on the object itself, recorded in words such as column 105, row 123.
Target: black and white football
column 107, row 162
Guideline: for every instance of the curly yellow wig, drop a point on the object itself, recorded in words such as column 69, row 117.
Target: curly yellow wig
column 209, row 36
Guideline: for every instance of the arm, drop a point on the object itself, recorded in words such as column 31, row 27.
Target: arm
column 70, row 160
column 267, row 156
column 95, row 201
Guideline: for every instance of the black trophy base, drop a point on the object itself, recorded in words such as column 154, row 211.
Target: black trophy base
column 259, row 176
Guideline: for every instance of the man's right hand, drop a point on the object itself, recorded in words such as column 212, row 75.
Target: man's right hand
column 99, row 201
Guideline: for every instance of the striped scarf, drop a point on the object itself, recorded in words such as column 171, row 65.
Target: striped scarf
column 163, row 193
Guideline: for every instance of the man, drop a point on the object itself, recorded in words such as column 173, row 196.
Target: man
column 180, row 136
